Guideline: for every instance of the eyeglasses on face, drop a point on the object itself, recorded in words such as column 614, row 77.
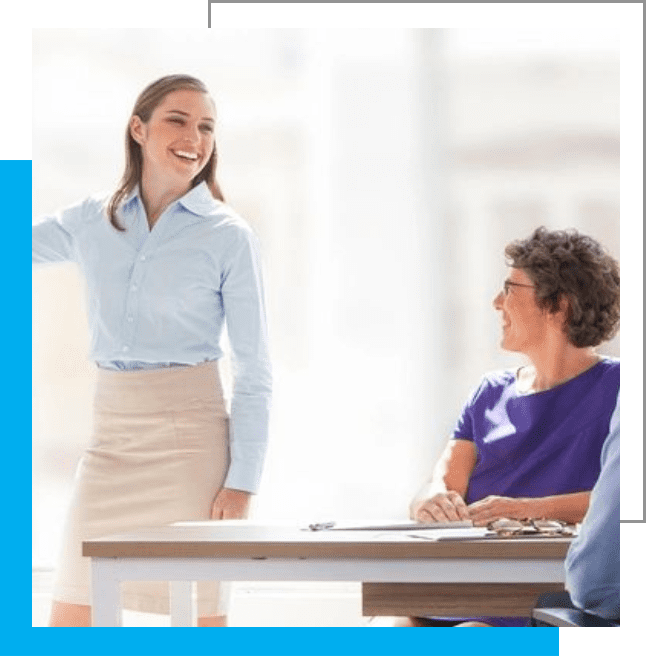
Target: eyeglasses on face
column 508, row 284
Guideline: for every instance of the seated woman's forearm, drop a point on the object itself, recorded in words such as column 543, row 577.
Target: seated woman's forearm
column 452, row 471
column 569, row 508
column 442, row 498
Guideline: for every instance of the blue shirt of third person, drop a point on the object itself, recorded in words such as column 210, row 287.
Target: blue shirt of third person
column 592, row 563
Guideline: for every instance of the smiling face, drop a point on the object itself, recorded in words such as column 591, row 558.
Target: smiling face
column 525, row 325
column 177, row 141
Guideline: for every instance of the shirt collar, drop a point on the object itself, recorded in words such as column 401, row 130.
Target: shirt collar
column 197, row 200
column 129, row 197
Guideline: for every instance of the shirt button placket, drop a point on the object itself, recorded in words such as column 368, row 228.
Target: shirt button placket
column 131, row 305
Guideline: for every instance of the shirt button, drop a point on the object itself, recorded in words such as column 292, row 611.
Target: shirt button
column 134, row 288
column 143, row 258
column 130, row 319
column 125, row 349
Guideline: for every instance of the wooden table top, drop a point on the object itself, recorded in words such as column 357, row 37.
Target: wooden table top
column 246, row 540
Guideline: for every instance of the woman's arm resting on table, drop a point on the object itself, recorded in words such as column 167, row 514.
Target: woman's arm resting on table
column 442, row 498
column 569, row 508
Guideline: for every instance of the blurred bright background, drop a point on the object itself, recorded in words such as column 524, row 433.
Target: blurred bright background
column 384, row 171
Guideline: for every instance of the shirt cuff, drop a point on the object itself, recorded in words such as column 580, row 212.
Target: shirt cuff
column 244, row 476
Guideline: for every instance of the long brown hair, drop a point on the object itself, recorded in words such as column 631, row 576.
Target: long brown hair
column 145, row 105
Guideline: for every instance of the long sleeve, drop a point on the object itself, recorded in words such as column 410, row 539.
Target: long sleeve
column 51, row 241
column 244, row 308
column 165, row 296
column 592, row 563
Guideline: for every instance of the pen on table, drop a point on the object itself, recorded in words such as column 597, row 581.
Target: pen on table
column 321, row 526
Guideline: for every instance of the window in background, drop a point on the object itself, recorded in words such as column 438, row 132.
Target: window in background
column 383, row 173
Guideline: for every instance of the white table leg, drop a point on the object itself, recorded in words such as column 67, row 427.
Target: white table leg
column 106, row 593
column 181, row 603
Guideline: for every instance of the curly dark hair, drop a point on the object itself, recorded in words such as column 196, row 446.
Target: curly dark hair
column 567, row 263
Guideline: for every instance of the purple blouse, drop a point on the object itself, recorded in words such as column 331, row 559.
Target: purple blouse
column 534, row 445
column 540, row 444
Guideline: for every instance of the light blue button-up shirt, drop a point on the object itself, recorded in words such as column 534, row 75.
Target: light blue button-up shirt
column 163, row 295
column 592, row 563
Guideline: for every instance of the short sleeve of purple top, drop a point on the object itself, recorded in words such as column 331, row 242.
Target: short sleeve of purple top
column 538, row 444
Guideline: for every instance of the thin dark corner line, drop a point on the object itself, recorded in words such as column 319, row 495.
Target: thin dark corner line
column 632, row 521
column 209, row 2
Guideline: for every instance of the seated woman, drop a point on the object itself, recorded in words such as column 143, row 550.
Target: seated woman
column 528, row 442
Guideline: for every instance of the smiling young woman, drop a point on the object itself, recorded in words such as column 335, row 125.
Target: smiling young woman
column 170, row 265
column 148, row 101
column 176, row 143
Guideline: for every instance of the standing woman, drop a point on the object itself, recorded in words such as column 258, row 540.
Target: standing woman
column 166, row 264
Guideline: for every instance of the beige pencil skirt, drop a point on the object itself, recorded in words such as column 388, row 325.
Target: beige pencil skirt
column 159, row 453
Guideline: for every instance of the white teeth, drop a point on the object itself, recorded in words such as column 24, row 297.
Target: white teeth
column 182, row 153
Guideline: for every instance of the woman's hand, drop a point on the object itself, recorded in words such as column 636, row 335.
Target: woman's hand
column 570, row 508
column 230, row 504
column 492, row 507
column 442, row 507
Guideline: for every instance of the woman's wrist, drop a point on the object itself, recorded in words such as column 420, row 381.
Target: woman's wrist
column 532, row 509
column 566, row 507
